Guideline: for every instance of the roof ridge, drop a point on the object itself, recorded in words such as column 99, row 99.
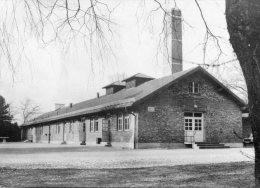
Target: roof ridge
column 136, row 94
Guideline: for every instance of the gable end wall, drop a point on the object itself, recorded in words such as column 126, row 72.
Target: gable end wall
column 222, row 116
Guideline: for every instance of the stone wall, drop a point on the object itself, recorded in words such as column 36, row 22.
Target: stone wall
column 124, row 138
column 92, row 136
column 222, row 116
column 54, row 132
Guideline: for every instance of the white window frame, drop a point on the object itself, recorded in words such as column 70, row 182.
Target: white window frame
column 193, row 120
column 91, row 125
column 126, row 125
column 195, row 87
column 96, row 123
column 120, row 125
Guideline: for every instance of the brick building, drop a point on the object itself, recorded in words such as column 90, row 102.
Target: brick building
column 138, row 112
column 142, row 112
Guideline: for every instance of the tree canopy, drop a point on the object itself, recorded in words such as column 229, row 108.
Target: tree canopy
column 7, row 127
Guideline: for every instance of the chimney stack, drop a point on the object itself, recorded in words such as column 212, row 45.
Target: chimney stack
column 97, row 94
column 176, row 41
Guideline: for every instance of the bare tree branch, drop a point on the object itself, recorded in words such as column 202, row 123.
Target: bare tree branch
column 28, row 110
column 56, row 21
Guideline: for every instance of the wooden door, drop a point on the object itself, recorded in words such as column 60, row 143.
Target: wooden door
column 105, row 130
column 193, row 127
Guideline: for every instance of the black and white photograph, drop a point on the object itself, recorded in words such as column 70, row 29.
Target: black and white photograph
column 130, row 93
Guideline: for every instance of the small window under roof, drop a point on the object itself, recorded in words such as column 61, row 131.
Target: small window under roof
column 136, row 80
column 114, row 87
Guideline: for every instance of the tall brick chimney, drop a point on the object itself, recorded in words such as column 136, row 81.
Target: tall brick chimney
column 176, row 41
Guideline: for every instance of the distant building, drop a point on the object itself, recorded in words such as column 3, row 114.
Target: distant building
column 142, row 112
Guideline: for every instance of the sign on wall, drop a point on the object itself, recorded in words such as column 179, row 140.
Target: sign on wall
column 151, row 109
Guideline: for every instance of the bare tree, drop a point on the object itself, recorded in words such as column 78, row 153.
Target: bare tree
column 28, row 110
column 55, row 21
column 243, row 26
column 117, row 77
column 236, row 82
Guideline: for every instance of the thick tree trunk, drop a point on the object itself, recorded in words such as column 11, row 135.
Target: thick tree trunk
column 243, row 21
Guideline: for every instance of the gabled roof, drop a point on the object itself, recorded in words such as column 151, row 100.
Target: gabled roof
column 138, row 75
column 117, row 83
column 126, row 97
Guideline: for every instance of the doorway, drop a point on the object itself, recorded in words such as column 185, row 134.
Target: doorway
column 193, row 127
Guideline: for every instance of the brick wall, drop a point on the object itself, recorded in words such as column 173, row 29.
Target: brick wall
column 118, row 138
column 222, row 116
column 92, row 136
column 56, row 132
column 124, row 135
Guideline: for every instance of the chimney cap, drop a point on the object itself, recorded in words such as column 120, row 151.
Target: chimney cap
column 176, row 12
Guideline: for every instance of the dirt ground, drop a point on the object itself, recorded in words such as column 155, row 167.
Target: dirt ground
column 210, row 175
column 34, row 165
column 34, row 156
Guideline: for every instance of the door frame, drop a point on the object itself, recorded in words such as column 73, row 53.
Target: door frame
column 189, row 139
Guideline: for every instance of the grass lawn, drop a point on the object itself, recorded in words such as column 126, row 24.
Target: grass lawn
column 208, row 175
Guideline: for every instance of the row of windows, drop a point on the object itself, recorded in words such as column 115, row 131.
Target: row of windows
column 193, row 124
column 58, row 129
column 93, row 125
column 123, row 123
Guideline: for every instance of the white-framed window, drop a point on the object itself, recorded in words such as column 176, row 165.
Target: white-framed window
column 126, row 123
column 188, row 124
column 194, row 87
column 91, row 127
column 193, row 121
column 96, row 125
column 120, row 122
column 58, row 129
column 198, row 125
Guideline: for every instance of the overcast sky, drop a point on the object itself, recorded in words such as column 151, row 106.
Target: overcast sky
column 51, row 76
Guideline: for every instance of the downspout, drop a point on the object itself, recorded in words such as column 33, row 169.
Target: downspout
column 49, row 139
column 63, row 132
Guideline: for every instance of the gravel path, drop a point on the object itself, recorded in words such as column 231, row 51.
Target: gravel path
column 37, row 156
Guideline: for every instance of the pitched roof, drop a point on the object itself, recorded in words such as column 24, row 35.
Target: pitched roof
column 125, row 97
column 138, row 75
column 117, row 83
